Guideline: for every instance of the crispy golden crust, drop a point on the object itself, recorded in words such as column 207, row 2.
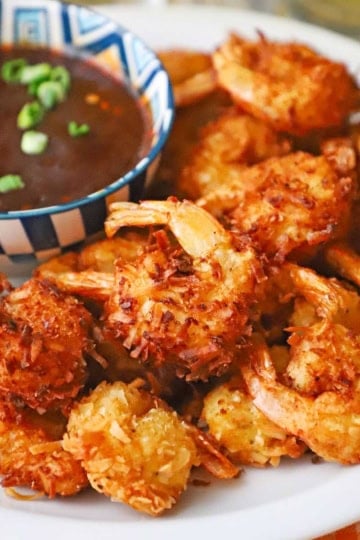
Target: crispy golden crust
column 31, row 454
column 331, row 299
column 102, row 255
column 43, row 337
column 96, row 259
column 288, row 85
column 66, row 262
column 285, row 204
column 226, row 146
column 274, row 305
column 184, row 135
column 133, row 451
column 247, row 434
column 324, row 357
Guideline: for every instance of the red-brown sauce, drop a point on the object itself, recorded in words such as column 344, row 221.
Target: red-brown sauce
column 71, row 168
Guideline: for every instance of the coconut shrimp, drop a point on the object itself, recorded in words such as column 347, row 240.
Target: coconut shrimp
column 247, row 434
column 325, row 414
column 185, row 303
column 31, row 454
column 191, row 74
column 288, row 85
column 330, row 299
column 132, row 446
column 226, row 145
column 288, row 203
column 90, row 273
column 184, row 135
column 44, row 336
column 296, row 296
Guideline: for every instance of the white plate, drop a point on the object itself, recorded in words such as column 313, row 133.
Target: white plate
column 299, row 500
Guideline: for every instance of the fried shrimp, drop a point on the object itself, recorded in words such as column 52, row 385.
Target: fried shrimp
column 191, row 74
column 44, row 335
column 288, row 85
column 31, row 454
column 247, row 434
column 185, row 303
column 98, row 257
column 90, row 273
column 132, row 450
column 331, row 299
column 327, row 418
column 285, row 204
column 228, row 144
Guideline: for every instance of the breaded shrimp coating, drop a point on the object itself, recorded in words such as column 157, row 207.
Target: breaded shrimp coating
column 184, row 303
column 101, row 255
column 132, row 450
column 274, row 305
column 31, row 454
column 324, row 357
column 226, row 146
column 285, row 204
column 331, row 299
column 327, row 417
column 247, row 434
column 288, row 85
column 94, row 263
column 44, row 335
column 90, row 273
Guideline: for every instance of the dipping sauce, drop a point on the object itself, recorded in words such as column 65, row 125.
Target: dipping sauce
column 70, row 167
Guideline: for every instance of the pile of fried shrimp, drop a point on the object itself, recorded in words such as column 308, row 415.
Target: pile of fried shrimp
column 217, row 323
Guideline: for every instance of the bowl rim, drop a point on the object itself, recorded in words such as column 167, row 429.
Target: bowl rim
column 139, row 167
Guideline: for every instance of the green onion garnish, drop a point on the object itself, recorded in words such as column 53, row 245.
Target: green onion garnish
column 30, row 115
column 77, row 130
column 36, row 72
column 61, row 75
column 50, row 93
column 12, row 69
column 10, row 182
column 33, row 88
column 34, row 142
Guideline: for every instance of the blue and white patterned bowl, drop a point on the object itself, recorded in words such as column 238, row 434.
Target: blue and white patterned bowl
column 31, row 236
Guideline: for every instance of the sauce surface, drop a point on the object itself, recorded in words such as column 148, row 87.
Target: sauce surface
column 70, row 167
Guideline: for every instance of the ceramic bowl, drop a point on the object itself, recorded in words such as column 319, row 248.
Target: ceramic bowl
column 31, row 236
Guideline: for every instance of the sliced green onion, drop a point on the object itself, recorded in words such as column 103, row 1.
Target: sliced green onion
column 36, row 72
column 11, row 70
column 10, row 182
column 33, row 87
column 50, row 93
column 30, row 115
column 34, row 142
column 61, row 75
column 77, row 130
